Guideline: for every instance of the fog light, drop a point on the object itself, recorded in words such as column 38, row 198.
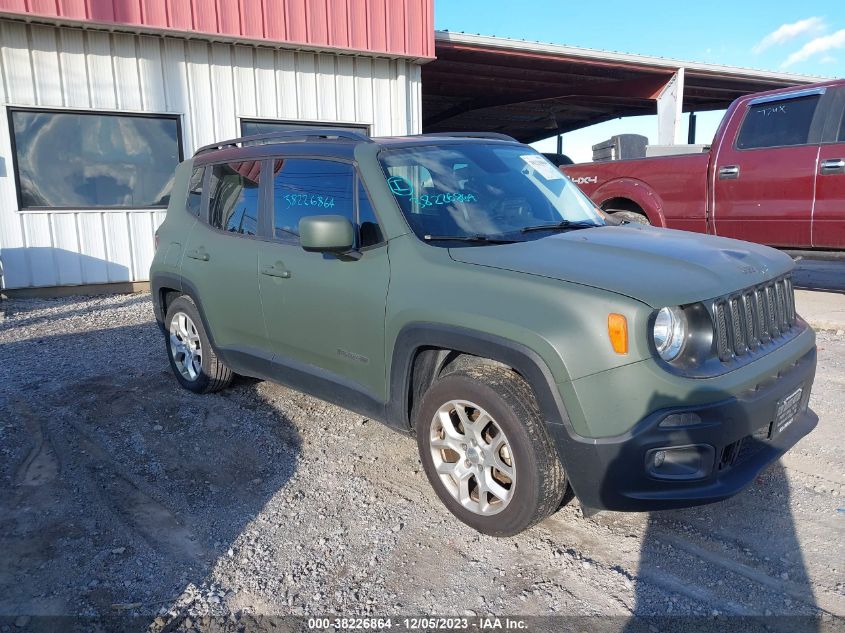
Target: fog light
column 680, row 462
column 676, row 420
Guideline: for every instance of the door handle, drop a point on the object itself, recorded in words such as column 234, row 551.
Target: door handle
column 199, row 254
column 833, row 166
column 729, row 172
column 275, row 271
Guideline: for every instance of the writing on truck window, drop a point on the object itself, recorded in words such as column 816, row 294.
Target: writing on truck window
column 771, row 110
column 304, row 187
column 430, row 200
column 403, row 188
column 308, row 200
column 399, row 186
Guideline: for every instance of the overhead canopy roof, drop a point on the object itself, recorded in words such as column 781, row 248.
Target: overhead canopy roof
column 532, row 91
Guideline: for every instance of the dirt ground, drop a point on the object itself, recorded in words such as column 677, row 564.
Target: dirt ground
column 122, row 493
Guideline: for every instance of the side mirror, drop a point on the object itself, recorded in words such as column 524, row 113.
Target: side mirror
column 326, row 234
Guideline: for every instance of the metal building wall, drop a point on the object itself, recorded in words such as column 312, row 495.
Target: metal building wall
column 397, row 27
column 211, row 85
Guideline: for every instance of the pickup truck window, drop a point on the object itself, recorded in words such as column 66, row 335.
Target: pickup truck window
column 472, row 190
column 777, row 123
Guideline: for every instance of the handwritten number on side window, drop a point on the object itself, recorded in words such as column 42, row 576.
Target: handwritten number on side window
column 308, row 200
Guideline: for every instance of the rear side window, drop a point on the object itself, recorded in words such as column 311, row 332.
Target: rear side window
column 233, row 200
column 195, row 191
column 306, row 187
column 778, row 123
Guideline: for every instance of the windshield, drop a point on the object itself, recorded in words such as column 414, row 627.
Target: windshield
column 484, row 190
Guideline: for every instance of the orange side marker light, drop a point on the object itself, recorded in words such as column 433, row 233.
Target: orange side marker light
column 617, row 330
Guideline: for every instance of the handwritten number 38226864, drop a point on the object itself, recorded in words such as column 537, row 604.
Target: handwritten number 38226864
column 308, row 200
column 428, row 200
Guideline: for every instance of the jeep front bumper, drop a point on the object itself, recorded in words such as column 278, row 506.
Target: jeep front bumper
column 716, row 451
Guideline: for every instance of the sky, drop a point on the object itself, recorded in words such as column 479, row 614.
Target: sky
column 799, row 37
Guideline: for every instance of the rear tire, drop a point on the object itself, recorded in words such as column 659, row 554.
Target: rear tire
column 192, row 359
column 486, row 452
column 628, row 216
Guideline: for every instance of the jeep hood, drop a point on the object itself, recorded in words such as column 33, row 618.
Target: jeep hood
column 660, row 267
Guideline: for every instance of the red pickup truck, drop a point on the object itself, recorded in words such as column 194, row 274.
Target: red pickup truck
column 775, row 174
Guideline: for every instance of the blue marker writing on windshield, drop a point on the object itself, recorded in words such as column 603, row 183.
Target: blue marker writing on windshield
column 399, row 186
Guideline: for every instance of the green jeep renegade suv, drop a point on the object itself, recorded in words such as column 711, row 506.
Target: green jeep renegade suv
column 461, row 288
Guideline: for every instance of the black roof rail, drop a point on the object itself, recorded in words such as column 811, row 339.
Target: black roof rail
column 491, row 135
column 287, row 136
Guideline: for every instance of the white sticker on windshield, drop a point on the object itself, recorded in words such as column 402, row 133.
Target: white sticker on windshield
column 542, row 166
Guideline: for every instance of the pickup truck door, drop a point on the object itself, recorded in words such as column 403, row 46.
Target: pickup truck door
column 829, row 212
column 324, row 314
column 764, row 170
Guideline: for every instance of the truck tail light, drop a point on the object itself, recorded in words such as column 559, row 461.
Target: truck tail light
column 617, row 330
column 156, row 241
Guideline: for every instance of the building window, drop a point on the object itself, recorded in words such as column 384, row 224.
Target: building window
column 305, row 187
column 234, row 197
column 84, row 160
column 250, row 127
column 778, row 123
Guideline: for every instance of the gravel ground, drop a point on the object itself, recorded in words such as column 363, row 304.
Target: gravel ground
column 122, row 493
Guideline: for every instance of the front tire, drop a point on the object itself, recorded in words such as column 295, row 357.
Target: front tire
column 631, row 217
column 485, row 450
column 192, row 359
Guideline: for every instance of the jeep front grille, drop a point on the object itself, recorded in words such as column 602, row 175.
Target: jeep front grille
column 753, row 317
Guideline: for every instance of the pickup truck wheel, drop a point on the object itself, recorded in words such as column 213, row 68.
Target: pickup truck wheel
column 486, row 452
column 629, row 216
column 193, row 361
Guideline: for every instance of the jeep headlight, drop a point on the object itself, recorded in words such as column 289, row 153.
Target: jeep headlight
column 670, row 332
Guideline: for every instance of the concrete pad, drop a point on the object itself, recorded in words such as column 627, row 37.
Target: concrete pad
column 822, row 310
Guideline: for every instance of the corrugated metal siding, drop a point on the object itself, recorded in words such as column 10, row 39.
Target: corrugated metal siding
column 210, row 85
column 398, row 27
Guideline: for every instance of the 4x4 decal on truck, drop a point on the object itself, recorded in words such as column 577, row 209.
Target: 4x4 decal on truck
column 583, row 180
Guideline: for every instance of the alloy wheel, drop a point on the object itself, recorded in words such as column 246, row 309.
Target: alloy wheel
column 472, row 457
column 185, row 346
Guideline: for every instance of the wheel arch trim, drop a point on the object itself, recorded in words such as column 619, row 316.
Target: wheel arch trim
column 415, row 337
column 638, row 192
column 184, row 287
